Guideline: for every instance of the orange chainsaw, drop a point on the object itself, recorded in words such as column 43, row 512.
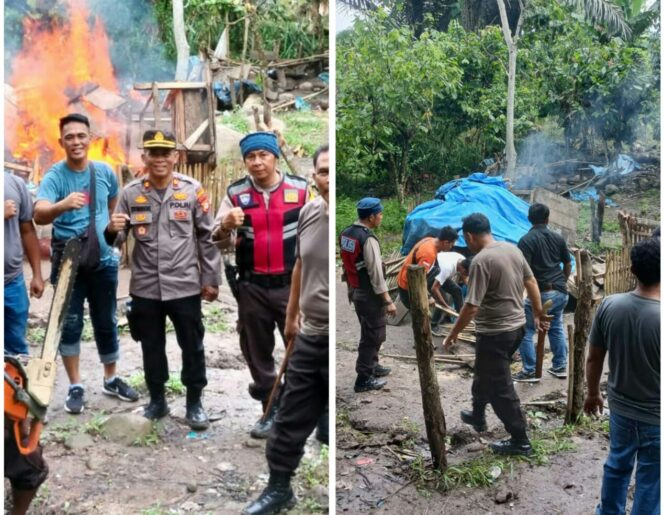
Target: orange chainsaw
column 28, row 389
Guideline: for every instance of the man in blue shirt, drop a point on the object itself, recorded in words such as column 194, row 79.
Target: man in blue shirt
column 63, row 200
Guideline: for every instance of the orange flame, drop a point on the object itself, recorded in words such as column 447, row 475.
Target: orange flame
column 50, row 74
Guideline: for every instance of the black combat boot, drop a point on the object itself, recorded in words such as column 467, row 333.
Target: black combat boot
column 512, row 446
column 262, row 427
column 196, row 416
column 475, row 418
column 157, row 408
column 277, row 495
column 367, row 383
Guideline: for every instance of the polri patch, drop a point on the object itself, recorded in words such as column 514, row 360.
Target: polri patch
column 141, row 230
column 180, row 215
column 348, row 244
column 290, row 196
column 245, row 199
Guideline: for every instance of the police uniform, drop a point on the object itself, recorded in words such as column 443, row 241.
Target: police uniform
column 173, row 259
column 363, row 271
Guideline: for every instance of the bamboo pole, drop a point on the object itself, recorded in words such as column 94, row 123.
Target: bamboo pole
column 434, row 417
column 570, row 376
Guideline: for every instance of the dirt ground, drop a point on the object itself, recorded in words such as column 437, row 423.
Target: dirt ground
column 216, row 471
column 380, row 434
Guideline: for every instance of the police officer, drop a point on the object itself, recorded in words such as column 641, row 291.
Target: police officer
column 307, row 321
column 174, row 265
column 260, row 214
column 360, row 253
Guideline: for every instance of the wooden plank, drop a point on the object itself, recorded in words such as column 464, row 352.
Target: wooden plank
column 193, row 138
column 155, row 99
column 169, row 85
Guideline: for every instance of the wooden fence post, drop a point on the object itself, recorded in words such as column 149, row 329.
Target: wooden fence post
column 434, row 418
column 582, row 319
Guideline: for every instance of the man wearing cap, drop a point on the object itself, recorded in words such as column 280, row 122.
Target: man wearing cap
column 64, row 199
column 363, row 272
column 259, row 214
column 307, row 324
column 174, row 265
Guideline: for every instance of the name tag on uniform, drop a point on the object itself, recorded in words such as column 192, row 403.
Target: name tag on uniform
column 290, row 196
column 179, row 215
column 141, row 217
column 348, row 244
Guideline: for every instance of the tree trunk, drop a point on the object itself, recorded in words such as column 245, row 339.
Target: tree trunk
column 582, row 319
column 511, row 42
column 181, row 43
column 434, row 417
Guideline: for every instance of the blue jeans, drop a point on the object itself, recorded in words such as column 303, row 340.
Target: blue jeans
column 99, row 287
column 16, row 316
column 631, row 439
column 557, row 337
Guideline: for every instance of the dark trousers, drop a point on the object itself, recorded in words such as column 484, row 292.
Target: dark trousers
column 260, row 310
column 404, row 297
column 147, row 322
column 370, row 312
column 492, row 383
column 449, row 286
column 303, row 401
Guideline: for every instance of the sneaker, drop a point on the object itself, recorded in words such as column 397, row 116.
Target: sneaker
column 560, row 372
column 525, row 377
column 381, row 371
column 75, row 402
column 512, row 447
column 436, row 330
column 118, row 388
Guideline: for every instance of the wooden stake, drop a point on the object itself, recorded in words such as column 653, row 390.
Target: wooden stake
column 570, row 377
column 434, row 417
column 541, row 335
column 582, row 319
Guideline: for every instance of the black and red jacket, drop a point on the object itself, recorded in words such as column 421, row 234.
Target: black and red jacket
column 351, row 243
column 266, row 240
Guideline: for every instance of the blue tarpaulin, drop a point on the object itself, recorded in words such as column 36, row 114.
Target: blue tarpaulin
column 587, row 194
column 223, row 91
column 454, row 200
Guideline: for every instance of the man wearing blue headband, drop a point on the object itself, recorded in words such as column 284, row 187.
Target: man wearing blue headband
column 363, row 271
column 259, row 215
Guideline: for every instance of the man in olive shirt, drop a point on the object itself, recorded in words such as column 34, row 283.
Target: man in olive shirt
column 545, row 251
column 305, row 392
column 498, row 275
column 627, row 327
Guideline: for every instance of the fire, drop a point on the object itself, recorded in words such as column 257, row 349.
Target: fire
column 59, row 64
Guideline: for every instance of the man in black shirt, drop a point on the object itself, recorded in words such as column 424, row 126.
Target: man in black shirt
column 545, row 251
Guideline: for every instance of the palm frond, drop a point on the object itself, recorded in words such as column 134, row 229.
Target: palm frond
column 605, row 13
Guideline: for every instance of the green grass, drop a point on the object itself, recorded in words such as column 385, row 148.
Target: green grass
column 215, row 321
column 95, row 426
column 174, row 384
column 315, row 471
column 305, row 129
column 236, row 120
column 479, row 472
column 36, row 334
column 302, row 129
column 153, row 438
